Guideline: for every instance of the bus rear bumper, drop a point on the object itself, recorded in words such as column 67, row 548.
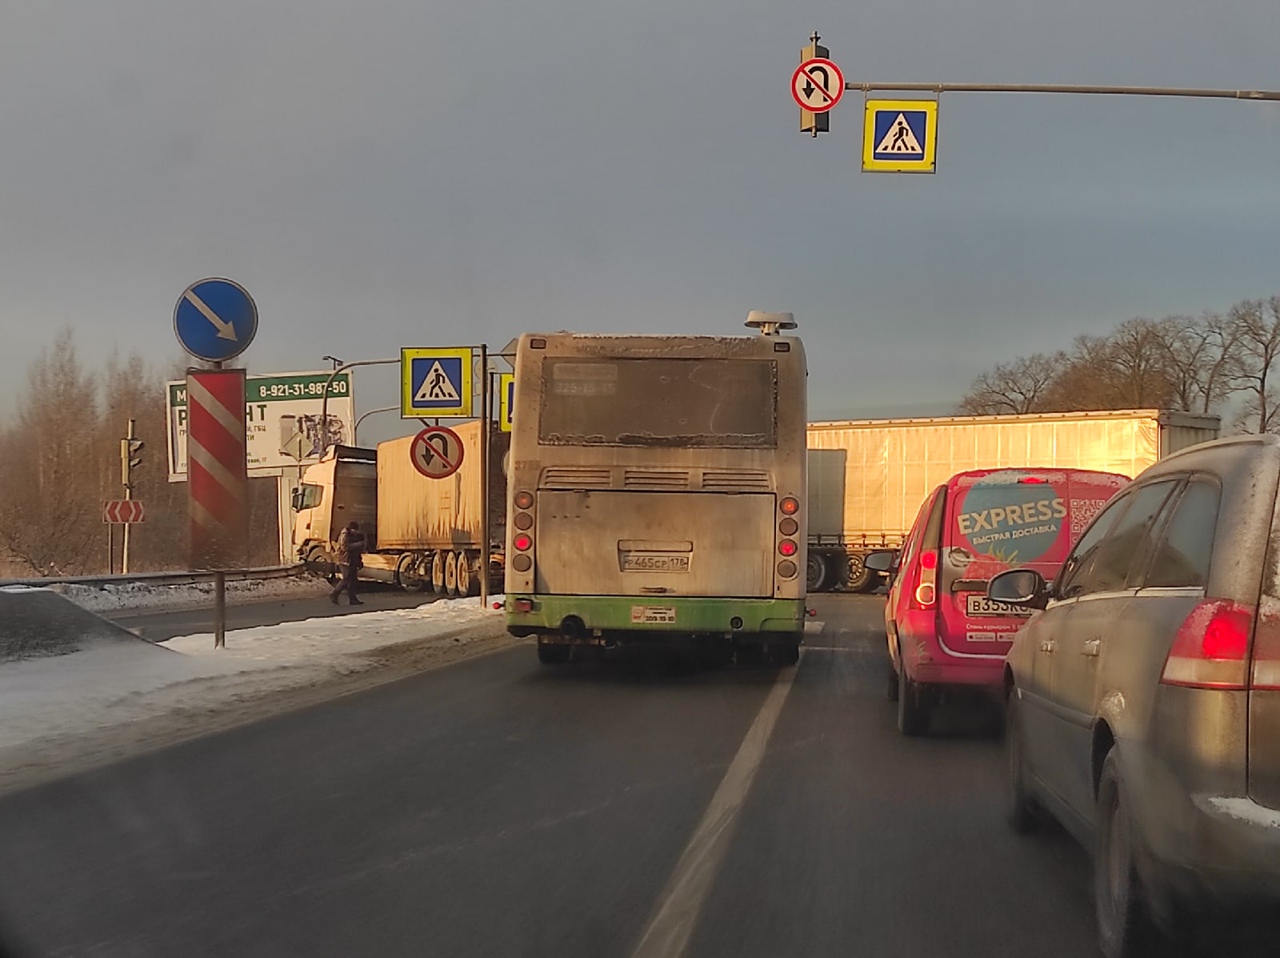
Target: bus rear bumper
column 586, row 617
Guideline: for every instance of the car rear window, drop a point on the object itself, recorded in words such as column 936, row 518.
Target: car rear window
column 1181, row 558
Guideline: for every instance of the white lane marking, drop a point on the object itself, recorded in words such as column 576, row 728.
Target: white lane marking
column 668, row 931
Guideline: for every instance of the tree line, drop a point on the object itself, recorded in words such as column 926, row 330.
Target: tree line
column 1216, row 363
column 60, row 459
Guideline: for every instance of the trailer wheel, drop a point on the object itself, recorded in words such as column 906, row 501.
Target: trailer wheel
column 437, row 573
column 858, row 578
column 410, row 573
column 468, row 578
column 817, row 572
column 451, row 574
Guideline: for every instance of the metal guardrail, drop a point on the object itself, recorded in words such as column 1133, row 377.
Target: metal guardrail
column 162, row 578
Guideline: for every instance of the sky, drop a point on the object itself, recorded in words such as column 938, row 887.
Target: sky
column 406, row 173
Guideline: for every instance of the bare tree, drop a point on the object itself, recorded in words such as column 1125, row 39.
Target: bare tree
column 48, row 512
column 1015, row 387
column 1257, row 324
column 1201, row 360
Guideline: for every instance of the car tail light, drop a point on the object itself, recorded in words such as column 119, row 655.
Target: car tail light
column 1032, row 481
column 926, row 580
column 1266, row 654
column 787, row 547
column 1211, row 649
column 789, row 506
column 522, row 542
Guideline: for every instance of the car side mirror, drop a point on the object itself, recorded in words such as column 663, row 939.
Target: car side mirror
column 1020, row 587
column 882, row 560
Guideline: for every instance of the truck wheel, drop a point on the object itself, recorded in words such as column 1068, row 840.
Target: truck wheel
column 409, row 574
column 451, row 574
column 319, row 563
column 468, row 578
column 437, row 573
column 858, row 578
column 817, row 573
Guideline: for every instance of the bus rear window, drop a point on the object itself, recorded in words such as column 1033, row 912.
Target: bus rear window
column 709, row 403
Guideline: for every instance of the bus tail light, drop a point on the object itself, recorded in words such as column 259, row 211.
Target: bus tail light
column 523, row 542
column 789, row 506
column 787, row 569
column 524, row 500
column 788, row 547
column 926, row 593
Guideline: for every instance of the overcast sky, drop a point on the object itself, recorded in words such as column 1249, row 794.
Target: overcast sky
column 401, row 172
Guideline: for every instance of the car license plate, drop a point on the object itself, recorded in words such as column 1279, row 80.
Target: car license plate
column 641, row 562
column 980, row 606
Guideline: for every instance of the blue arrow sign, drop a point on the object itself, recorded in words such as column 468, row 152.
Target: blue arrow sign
column 215, row 319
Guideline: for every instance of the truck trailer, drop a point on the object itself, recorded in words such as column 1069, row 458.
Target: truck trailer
column 867, row 478
column 425, row 534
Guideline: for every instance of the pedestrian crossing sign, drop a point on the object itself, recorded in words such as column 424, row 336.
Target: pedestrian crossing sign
column 900, row 136
column 435, row 381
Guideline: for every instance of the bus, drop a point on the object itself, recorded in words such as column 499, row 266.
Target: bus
column 656, row 492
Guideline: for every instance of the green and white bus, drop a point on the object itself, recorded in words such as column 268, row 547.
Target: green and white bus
column 656, row 491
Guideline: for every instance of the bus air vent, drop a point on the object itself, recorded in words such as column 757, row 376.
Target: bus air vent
column 573, row 477
column 655, row 479
column 735, row 480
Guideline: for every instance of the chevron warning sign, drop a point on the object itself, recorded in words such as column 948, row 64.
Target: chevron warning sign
column 217, row 476
column 123, row 511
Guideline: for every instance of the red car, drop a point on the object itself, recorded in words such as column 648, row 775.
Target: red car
column 942, row 629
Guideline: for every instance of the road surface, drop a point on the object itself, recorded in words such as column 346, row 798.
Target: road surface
column 497, row 807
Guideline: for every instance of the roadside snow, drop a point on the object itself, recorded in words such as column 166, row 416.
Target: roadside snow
column 86, row 691
column 142, row 596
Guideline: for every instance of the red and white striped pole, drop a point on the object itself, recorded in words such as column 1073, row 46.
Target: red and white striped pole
column 217, row 476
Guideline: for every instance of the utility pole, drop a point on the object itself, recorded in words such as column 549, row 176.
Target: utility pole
column 130, row 448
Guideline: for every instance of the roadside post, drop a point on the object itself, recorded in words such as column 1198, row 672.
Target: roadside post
column 215, row 320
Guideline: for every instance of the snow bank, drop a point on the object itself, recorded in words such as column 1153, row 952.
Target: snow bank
column 103, row 687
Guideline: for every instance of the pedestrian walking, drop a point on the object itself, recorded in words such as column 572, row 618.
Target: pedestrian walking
column 350, row 559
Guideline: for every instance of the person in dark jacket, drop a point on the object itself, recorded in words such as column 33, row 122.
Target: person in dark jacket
column 350, row 559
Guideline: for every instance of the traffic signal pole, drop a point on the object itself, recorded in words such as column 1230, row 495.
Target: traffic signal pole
column 130, row 446
column 1064, row 88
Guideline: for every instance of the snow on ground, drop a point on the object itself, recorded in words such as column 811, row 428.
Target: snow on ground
column 141, row 596
column 85, row 691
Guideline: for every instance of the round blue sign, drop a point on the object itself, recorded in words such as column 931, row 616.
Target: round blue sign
column 215, row 319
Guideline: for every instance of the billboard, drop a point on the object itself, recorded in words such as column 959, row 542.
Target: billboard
column 282, row 419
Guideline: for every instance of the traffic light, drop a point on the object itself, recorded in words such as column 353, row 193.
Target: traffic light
column 130, row 450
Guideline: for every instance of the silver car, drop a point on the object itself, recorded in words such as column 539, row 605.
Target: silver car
column 1144, row 695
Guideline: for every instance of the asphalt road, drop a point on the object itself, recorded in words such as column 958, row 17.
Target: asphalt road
column 162, row 626
column 497, row 807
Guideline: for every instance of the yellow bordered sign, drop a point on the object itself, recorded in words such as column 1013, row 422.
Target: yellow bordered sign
column 506, row 400
column 900, row 136
column 435, row 381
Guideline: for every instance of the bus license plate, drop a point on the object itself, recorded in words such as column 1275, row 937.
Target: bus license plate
column 980, row 605
column 653, row 614
column 640, row 562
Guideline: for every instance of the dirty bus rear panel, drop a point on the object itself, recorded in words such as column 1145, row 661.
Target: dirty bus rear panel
column 657, row 489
